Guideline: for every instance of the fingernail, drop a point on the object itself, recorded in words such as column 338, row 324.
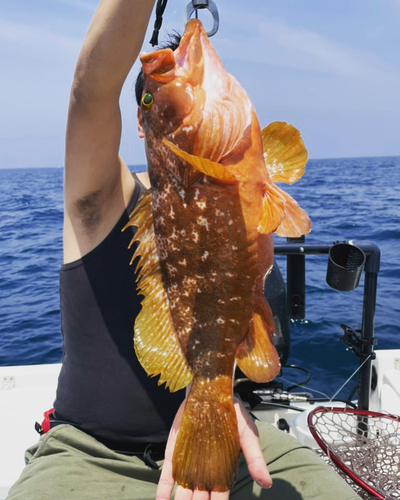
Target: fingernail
column 265, row 486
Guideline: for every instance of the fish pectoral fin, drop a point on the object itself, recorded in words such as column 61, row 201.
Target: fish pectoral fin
column 296, row 222
column 273, row 210
column 285, row 154
column 155, row 340
column 282, row 215
column 208, row 167
column 256, row 355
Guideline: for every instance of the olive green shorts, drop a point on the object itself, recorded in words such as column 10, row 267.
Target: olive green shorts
column 68, row 464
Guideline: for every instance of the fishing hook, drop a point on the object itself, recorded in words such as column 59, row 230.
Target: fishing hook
column 195, row 5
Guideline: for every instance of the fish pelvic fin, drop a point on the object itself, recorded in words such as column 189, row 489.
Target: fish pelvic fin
column 282, row 215
column 285, row 154
column 256, row 355
column 207, row 448
column 155, row 340
column 203, row 165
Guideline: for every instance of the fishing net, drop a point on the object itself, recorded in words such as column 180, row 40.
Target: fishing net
column 364, row 445
column 364, row 494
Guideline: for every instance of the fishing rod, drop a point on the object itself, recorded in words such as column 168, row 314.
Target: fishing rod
column 192, row 8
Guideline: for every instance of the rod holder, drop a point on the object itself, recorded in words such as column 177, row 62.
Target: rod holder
column 345, row 265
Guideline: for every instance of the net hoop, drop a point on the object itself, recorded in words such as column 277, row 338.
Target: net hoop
column 323, row 417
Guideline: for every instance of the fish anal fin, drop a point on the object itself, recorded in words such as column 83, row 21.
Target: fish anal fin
column 156, row 342
column 296, row 222
column 273, row 211
column 285, row 154
column 203, row 165
column 256, row 355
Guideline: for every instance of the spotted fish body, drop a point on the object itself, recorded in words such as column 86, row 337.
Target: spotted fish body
column 205, row 241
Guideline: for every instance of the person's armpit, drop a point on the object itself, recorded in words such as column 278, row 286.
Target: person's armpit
column 144, row 179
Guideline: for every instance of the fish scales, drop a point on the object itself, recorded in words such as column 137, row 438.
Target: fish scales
column 205, row 245
column 204, row 257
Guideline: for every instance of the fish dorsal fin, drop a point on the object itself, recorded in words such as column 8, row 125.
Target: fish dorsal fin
column 156, row 342
column 282, row 215
column 208, row 167
column 256, row 355
column 285, row 154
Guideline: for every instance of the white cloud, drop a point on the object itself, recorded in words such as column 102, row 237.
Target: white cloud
column 277, row 43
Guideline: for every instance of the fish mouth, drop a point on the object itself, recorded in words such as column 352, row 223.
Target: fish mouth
column 211, row 110
column 164, row 65
column 189, row 56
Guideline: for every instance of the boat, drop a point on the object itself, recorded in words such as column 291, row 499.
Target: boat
column 27, row 391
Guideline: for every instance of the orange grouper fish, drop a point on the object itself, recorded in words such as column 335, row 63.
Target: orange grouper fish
column 205, row 245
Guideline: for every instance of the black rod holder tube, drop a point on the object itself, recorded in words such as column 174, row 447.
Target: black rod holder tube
column 296, row 282
column 371, row 269
column 373, row 252
column 367, row 334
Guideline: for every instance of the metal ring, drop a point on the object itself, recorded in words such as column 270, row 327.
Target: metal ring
column 195, row 5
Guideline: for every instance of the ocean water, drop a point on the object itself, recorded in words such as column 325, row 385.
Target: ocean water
column 355, row 198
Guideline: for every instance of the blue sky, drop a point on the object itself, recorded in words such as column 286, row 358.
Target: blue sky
column 331, row 68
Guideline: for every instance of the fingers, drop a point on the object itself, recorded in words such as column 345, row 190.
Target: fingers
column 184, row 494
column 216, row 495
column 166, row 482
column 250, row 445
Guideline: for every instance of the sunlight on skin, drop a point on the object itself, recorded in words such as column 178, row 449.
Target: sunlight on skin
column 251, row 450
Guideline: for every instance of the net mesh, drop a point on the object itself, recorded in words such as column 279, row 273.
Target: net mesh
column 368, row 445
column 361, row 492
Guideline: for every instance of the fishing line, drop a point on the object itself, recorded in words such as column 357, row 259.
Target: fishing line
column 308, row 388
column 348, row 380
column 303, row 383
column 299, row 384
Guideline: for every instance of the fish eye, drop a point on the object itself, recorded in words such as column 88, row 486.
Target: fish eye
column 147, row 102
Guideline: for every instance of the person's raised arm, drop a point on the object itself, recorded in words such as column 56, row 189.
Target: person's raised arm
column 97, row 182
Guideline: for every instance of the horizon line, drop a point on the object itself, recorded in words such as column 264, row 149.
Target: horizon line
column 145, row 164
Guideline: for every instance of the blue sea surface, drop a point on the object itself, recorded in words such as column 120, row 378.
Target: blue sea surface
column 355, row 198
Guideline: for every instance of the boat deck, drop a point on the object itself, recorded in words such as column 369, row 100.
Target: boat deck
column 26, row 393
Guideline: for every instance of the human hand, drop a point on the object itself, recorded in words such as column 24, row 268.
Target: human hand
column 249, row 444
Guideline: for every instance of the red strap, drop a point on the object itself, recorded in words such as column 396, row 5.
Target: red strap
column 46, row 422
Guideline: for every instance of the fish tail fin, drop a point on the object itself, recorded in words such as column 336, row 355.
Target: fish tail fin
column 207, row 448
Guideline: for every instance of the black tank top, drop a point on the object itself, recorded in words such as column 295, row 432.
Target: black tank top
column 102, row 387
